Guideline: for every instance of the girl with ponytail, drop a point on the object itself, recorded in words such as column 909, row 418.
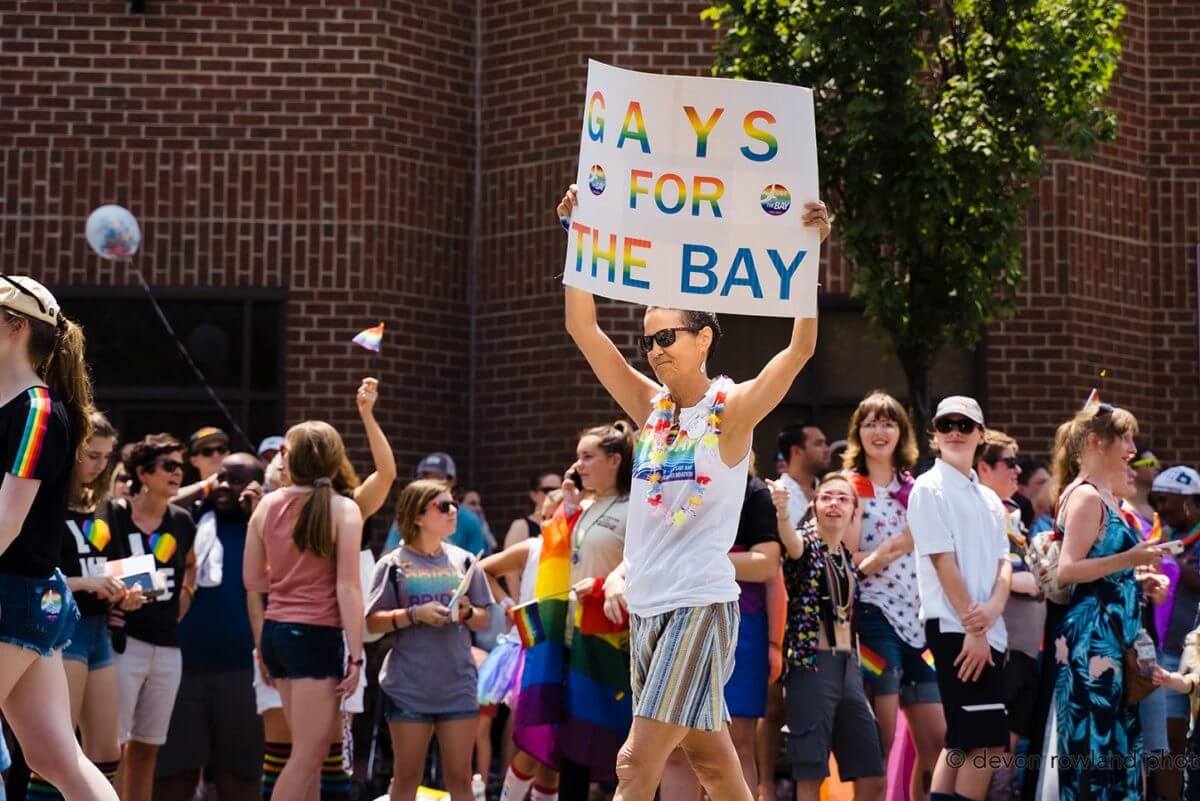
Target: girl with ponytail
column 45, row 401
column 302, row 549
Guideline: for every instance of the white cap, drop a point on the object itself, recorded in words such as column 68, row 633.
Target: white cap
column 960, row 404
column 28, row 298
column 1177, row 480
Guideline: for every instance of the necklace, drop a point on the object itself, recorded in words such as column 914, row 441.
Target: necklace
column 658, row 431
column 577, row 541
column 835, row 575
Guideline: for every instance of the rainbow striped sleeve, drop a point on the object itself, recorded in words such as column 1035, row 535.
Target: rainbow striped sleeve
column 33, row 437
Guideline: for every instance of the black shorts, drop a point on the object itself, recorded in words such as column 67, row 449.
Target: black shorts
column 1021, row 676
column 975, row 711
column 302, row 651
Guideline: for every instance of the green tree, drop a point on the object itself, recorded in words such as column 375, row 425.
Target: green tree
column 933, row 119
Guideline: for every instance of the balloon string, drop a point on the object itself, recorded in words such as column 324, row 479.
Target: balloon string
column 187, row 357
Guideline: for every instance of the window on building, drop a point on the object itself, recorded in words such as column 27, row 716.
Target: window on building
column 847, row 365
column 144, row 384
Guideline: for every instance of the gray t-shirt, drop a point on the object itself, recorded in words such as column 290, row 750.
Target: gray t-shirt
column 429, row 670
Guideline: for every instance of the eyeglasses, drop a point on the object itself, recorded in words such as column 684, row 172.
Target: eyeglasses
column 840, row 498
column 947, row 424
column 25, row 291
column 211, row 450
column 124, row 478
column 444, row 506
column 169, row 465
column 1008, row 461
column 665, row 338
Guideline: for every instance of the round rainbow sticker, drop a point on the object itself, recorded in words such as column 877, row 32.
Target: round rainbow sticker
column 775, row 199
column 596, row 180
column 52, row 604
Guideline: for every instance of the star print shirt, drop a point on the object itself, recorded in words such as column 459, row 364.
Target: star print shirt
column 809, row 603
column 892, row 590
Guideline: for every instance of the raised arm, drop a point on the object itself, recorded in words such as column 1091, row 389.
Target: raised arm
column 372, row 493
column 632, row 391
column 751, row 401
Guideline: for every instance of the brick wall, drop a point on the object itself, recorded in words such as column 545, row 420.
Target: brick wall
column 331, row 148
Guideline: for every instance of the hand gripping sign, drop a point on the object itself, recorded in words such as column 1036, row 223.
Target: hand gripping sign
column 692, row 192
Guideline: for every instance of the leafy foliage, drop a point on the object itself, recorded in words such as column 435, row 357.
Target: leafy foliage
column 933, row 118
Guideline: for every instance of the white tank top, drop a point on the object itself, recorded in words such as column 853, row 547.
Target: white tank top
column 683, row 510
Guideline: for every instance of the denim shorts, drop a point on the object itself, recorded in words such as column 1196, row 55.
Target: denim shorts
column 303, row 651
column 397, row 715
column 38, row 614
column 90, row 644
column 890, row 665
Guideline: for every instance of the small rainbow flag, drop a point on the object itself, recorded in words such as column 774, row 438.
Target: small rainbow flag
column 371, row 339
column 97, row 533
column 872, row 662
column 163, row 546
column 927, row 656
column 1093, row 397
column 528, row 621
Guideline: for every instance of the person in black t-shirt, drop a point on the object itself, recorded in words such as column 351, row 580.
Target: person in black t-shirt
column 45, row 399
column 86, row 549
column 150, row 665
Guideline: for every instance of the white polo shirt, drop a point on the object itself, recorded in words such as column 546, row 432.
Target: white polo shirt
column 951, row 513
column 797, row 500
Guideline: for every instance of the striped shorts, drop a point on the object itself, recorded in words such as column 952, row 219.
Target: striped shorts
column 680, row 661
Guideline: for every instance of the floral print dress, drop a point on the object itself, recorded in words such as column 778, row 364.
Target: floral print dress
column 1101, row 734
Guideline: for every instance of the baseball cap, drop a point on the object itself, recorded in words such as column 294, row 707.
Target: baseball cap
column 270, row 444
column 439, row 464
column 28, row 298
column 205, row 436
column 1177, row 480
column 960, row 404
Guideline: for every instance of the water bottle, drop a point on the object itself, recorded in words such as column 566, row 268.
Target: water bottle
column 478, row 788
column 1146, row 658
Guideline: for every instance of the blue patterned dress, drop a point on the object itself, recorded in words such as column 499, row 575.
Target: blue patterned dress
column 1094, row 723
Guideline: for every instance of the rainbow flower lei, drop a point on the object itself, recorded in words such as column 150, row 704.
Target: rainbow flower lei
column 658, row 428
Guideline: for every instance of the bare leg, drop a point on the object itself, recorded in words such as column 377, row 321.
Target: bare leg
column 410, row 745
column 641, row 760
column 455, row 738
column 311, row 707
column 136, row 778
column 37, row 705
column 679, row 782
column 715, row 761
column 927, row 726
column 98, row 716
column 742, row 731
column 483, row 746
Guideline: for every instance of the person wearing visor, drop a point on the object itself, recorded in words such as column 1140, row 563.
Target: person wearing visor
column 45, row 403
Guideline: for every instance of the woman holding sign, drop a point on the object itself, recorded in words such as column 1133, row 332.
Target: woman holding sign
column 689, row 482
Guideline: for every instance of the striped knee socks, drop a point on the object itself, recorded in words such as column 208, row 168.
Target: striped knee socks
column 41, row 790
column 516, row 785
column 335, row 779
column 275, row 756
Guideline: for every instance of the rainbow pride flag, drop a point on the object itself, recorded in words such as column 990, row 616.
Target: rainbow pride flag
column 528, row 620
column 927, row 657
column 371, row 339
column 575, row 703
column 34, row 434
column 872, row 662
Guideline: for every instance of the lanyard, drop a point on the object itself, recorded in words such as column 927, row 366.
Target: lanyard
column 577, row 542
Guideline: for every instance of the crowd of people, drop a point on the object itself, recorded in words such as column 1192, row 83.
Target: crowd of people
column 664, row 621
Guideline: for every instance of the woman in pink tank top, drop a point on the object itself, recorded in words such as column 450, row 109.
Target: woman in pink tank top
column 302, row 550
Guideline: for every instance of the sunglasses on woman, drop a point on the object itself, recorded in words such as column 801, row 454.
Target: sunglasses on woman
column 212, row 450
column 169, row 466
column 444, row 506
column 665, row 338
column 947, row 424
column 1008, row 461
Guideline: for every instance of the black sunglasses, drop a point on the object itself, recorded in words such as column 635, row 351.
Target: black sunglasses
column 169, row 465
column 947, row 424
column 665, row 338
column 444, row 506
column 212, row 449
column 547, row 490
column 1009, row 461
column 25, row 291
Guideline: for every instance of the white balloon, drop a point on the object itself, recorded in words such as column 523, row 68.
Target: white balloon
column 114, row 233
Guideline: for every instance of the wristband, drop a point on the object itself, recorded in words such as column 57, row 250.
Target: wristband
column 358, row 662
column 565, row 222
column 191, row 591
